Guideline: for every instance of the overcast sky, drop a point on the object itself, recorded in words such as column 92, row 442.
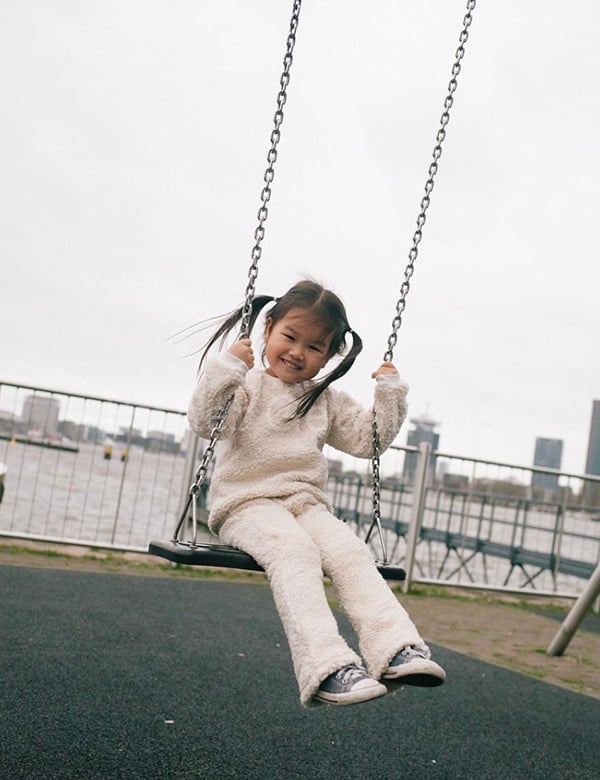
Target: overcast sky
column 133, row 140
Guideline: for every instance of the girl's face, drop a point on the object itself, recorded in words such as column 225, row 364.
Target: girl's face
column 297, row 346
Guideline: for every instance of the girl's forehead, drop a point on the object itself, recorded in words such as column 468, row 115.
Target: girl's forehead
column 303, row 319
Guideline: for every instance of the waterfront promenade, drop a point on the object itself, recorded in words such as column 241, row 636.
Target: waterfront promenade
column 115, row 676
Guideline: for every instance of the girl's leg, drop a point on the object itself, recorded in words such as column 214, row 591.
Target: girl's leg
column 383, row 626
column 271, row 534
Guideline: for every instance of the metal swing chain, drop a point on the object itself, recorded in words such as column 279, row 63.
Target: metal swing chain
column 259, row 234
column 412, row 256
column 265, row 195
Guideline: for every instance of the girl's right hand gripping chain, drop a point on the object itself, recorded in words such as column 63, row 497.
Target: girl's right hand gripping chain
column 242, row 349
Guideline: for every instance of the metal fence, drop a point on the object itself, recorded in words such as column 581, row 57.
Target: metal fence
column 87, row 470
column 113, row 474
column 481, row 523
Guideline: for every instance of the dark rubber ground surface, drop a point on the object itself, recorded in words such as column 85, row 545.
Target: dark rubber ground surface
column 114, row 676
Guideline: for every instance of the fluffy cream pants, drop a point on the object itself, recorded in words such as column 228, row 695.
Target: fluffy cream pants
column 295, row 546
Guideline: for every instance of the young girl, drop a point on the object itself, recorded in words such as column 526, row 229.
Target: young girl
column 267, row 494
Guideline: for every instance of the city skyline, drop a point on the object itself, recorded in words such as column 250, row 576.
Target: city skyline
column 42, row 414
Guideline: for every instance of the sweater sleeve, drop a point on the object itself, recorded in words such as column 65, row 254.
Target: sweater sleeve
column 223, row 377
column 351, row 426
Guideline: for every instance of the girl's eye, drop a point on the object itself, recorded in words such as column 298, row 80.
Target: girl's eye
column 287, row 335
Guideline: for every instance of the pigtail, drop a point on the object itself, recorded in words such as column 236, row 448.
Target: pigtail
column 231, row 320
column 309, row 398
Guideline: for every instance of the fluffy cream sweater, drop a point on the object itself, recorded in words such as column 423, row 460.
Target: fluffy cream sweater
column 262, row 453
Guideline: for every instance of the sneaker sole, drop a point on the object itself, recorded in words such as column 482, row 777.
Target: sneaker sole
column 354, row 697
column 425, row 674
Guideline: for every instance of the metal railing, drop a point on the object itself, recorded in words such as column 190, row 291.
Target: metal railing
column 464, row 521
column 112, row 474
column 88, row 470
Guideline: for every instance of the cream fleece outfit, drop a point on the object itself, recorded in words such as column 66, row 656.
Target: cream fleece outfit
column 267, row 497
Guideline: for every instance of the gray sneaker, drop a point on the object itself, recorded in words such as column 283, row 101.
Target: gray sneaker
column 412, row 667
column 349, row 685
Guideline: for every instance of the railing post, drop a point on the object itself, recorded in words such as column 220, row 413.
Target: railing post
column 122, row 483
column 418, row 506
column 578, row 611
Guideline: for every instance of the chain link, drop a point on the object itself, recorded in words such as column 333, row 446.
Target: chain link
column 265, row 195
column 413, row 254
column 259, row 234
column 376, row 511
column 202, row 471
column 429, row 184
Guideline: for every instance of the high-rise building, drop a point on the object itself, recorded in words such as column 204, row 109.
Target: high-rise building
column 592, row 462
column 548, row 454
column 423, row 430
column 40, row 414
column 591, row 490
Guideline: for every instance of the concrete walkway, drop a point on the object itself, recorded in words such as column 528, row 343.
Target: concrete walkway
column 113, row 676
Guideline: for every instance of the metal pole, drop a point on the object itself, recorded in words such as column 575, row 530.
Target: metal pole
column 578, row 611
column 416, row 519
column 122, row 485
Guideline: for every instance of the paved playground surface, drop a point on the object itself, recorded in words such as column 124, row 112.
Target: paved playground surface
column 114, row 676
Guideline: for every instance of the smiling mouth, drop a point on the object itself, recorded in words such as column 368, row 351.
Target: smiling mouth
column 291, row 365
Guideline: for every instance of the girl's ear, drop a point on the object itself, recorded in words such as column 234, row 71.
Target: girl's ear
column 268, row 326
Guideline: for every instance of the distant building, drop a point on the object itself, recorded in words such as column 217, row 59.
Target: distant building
column 93, row 433
column 592, row 461
column 335, row 467
column 548, row 455
column 160, row 441
column 423, row 430
column 40, row 414
column 7, row 421
column 69, row 429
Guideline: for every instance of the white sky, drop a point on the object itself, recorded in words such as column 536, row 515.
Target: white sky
column 133, row 140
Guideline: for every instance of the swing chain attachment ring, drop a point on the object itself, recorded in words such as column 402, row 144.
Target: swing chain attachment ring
column 412, row 256
column 265, row 195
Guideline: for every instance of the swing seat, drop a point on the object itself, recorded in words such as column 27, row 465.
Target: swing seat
column 222, row 556
column 219, row 555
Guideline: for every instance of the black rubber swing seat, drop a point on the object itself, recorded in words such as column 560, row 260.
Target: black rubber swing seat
column 222, row 556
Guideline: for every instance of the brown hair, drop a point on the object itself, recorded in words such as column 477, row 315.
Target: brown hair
column 326, row 308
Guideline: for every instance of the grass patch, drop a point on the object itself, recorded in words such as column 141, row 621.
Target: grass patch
column 98, row 559
column 573, row 682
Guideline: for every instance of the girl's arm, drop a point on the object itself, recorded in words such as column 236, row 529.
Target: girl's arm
column 222, row 377
column 351, row 427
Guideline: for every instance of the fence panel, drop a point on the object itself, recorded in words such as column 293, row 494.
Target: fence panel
column 89, row 470
column 488, row 524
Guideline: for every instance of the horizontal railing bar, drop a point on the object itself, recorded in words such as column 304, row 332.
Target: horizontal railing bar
column 469, row 459
column 92, row 398
column 495, row 588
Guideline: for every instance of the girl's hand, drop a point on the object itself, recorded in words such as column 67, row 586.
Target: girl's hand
column 242, row 349
column 384, row 368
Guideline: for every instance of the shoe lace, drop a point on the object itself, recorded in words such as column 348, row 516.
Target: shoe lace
column 412, row 652
column 349, row 673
